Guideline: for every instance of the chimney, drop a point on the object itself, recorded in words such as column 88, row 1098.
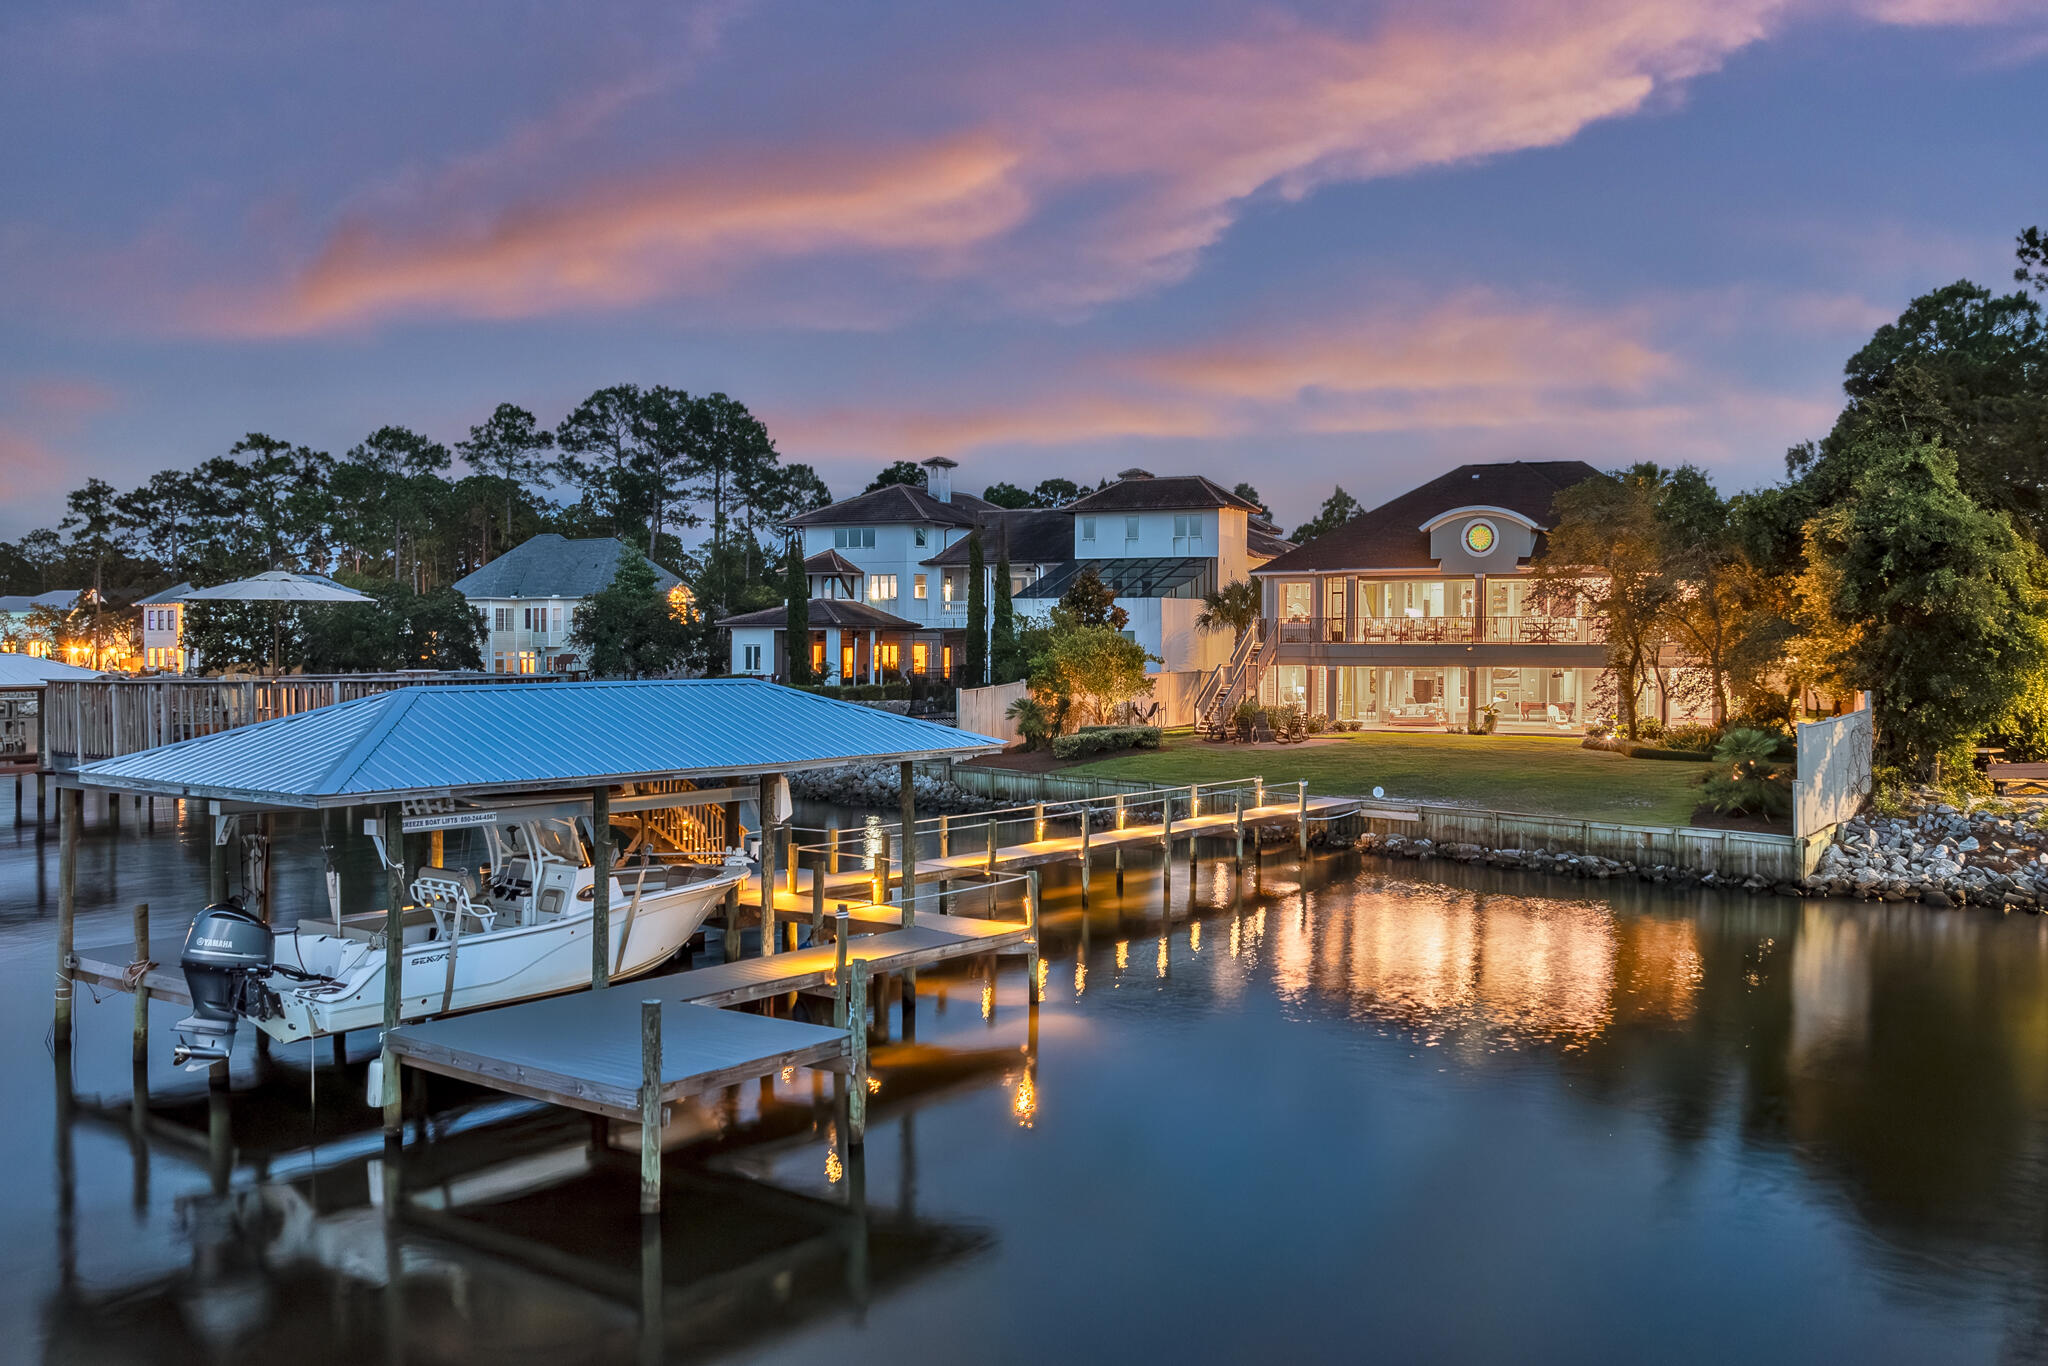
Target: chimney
column 938, row 477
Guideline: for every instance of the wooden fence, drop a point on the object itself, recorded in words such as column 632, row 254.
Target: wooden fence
column 104, row 718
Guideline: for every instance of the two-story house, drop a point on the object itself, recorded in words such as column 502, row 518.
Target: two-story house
column 19, row 615
column 1161, row 543
column 886, row 571
column 529, row 596
column 163, row 630
column 1422, row 612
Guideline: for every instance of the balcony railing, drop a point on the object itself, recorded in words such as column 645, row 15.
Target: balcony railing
column 1527, row 630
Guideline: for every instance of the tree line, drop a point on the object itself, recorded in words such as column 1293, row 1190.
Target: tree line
column 1902, row 554
column 405, row 516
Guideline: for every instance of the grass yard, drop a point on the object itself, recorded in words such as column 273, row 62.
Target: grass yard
column 1530, row 773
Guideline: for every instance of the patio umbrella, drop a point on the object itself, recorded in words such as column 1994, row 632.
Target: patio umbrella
column 275, row 587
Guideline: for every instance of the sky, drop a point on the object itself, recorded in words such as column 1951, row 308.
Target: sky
column 1296, row 244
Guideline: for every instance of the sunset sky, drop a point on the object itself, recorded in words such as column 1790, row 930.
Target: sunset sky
column 1297, row 244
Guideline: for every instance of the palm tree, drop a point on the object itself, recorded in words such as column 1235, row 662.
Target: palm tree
column 1233, row 607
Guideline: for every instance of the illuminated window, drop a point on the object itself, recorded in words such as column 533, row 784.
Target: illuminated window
column 845, row 661
column 817, row 657
column 892, row 657
column 1296, row 602
column 529, row 662
column 946, row 662
column 917, row 588
column 881, row 587
column 920, row 658
column 946, row 589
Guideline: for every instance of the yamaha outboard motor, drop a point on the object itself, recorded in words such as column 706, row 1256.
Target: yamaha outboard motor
column 226, row 957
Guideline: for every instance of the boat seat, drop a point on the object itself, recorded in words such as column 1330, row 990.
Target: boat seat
column 450, row 894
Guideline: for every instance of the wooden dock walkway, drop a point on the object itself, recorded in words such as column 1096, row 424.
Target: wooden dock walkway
column 583, row 1052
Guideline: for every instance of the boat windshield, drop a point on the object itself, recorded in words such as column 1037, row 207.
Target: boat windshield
column 557, row 839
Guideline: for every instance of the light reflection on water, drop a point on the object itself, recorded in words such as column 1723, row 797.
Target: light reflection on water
column 1460, row 1117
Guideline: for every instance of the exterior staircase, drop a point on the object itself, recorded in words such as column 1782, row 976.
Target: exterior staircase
column 1234, row 680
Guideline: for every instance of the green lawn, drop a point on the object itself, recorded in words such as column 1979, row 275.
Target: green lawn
column 1530, row 773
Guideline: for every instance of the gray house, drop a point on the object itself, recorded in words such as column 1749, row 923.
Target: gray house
column 529, row 596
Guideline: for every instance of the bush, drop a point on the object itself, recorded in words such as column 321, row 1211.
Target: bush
column 1318, row 724
column 1649, row 728
column 1701, row 738
column 1248, row 710
column 1104, row 740
column 1034, row 722
column 1642, row 751
column 1749, row 779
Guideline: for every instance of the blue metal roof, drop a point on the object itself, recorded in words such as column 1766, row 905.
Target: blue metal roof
column 499, row 737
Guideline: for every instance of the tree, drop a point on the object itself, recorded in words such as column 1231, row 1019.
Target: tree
column 729, row 443
column 1091, row 669
column 92, row 516
column 1055, row 493
column 668, row 445
column 602, row 454
column 1606, row 551
column 1006, row 495
column 1251, row 495
column 508, row 445
column 977, row 616
column 1930, row 601
column 796, row 632
column 1711, row 612
column 629, row 629
column 400, row 629
column 2033, row 256
column 1092, row 603
column 897, row 472
column 1005, row 663
column 1339, row 508
column 1234, row 608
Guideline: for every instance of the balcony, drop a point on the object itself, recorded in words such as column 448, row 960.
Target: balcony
column 1525, row 630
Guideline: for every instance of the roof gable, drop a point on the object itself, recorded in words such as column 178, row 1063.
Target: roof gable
column 1394, row 535
column 1160, row 493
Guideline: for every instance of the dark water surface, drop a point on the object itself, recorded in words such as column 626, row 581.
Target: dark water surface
column 1365, row 1112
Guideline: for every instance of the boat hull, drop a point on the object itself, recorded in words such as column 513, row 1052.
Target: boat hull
column 499, row 968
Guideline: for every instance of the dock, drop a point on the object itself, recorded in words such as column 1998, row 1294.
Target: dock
column 628, row 1052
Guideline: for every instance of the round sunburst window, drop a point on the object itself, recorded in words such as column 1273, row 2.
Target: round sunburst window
column 1480, row 537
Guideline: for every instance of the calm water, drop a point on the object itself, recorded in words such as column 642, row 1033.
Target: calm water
column 1359, row 1113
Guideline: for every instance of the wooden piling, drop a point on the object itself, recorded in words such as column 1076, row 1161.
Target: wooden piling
column 1086, row 823
column 140, row 1048
column 945, row 835
column 991, row 846
column 600, row 887
column 832, row 846
column 1237, row 829
column 1032, row 893
column 880, row 895
column 906, row 811
column 1120, row 817
column 767, row 868
column 1038, row 823
column 1301, row 817
column 394, row 962
column 650, row 1106
column 817, row 899
column 70, row 814
column 216, row 859
column 857, row 1026
column 840, row 1001
column 39, row 799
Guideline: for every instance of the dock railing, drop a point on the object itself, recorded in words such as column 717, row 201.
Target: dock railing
column 104, row 718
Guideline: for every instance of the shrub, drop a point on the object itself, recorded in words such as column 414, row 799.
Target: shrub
column 1034, row 722
column 1642, row 751
column 1749, row 778
column 1104, row 740
column 1701, row 738
column 1649, row 728
column 1318, row 724
column 1248, row 710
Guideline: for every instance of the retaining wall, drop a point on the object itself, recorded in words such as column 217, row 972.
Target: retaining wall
column 1725, row 853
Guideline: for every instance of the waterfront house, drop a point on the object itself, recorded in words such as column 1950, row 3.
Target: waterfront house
column 1160, row 543
column 163, row 630
column 529, row 596
column 1422, row 613
column 18, row 614
column 888, row 569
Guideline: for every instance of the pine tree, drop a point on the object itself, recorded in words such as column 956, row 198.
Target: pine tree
column 796, row 631
column 976, row 672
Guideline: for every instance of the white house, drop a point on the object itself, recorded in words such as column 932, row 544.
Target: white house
column 15, row 612
column 529, row 596
column 888, row 571
column 1160, row 543
column 163, row 630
